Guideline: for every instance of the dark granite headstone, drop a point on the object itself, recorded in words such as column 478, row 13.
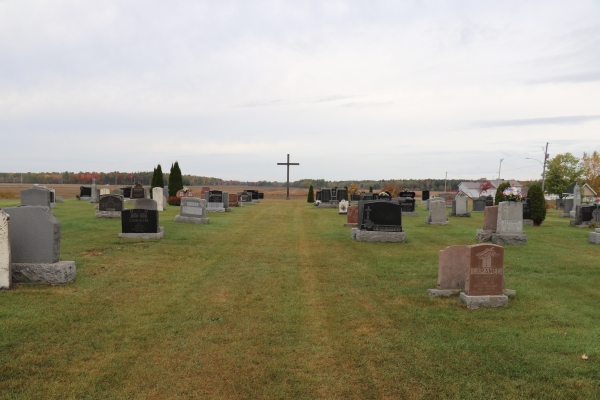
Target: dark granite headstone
column 139, row 221
column 355, row 197
column 318, row 195
column 425, row 195
column 384, row 216
column 253, row 193
column 215, row 196
column 261, row 195
column 526, row 208
column 326, row 195
column 52, row 196
column 138, row 192
column 110, row 202
column 489, row 201
column 341, row 194
column 126, row 192
column 85, row 191
column 587, row 213
column 407, row 204
column 244, row 197
column 367, row 196
column 407, row 194
column 36, row 196
column 479, row 204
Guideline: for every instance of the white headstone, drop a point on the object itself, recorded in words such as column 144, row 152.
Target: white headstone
column 104, row 191
column 576, row 196
column 5, row 277
column 461, row 204
column 437, row 212
column 343, row 206
column 157, row 195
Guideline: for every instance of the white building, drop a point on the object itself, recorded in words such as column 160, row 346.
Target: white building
column 475, row 189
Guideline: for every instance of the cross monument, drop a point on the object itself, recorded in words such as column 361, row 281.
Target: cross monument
column 288, row 163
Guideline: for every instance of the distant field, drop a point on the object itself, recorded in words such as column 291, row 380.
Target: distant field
column 274, row 301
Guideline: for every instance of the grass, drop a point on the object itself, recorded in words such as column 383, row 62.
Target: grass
column 275, row 301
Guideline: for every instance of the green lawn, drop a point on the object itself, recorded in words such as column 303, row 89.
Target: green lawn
column 275, row 301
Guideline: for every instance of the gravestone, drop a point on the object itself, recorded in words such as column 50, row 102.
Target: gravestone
column 104, row 191
column 85, row 193
column 567, row 207
column 217, row 201
column 527, row 221
column 318, row 195
column 576, row 199
column 110, row 206
column 185, row 193
column 355, row 197
column 126, row 192
column 407, row 194
column 35, row 196
column 343, row 207
column 146, row 204
column 479, row 204
column 192, row 210
column 118, row 192
column 367, row 196
column 352, row 216
column 52, row 198
column 509, row 229
column 490, row 223
column 448, row 197
column 594, row 237
column 424, row 196
column 5, row 270
column 437, row 212
column 489, row 201
column 140, row 224
column 166, row 192
column 453, row 262
column 233, row 200
column 204, row 190
column 138, row 192
column 261, row 195
column 35, row 247
column 408, row 205
column 254, row 194
column 95, row 192
column 586, row 214
column 245, row 198
column 157, row 195
column 484, row 282
column 560, row 203
column 379, row 221
column 459, row 206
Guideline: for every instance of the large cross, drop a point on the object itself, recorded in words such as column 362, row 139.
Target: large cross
column 288, row 163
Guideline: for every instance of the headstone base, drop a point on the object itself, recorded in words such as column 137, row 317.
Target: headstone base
column 159, row 235
column 57, row 273
column 442, row 292
column 564, row 215
column 594, row 237
column 467, row 215
column 108, row 214
column 410, row 214
column 474, row 302
column 327, row 205
column 484, row 235
column 504, row 239
column 428, row 221
column 377, row 236
column 527, row 222
column 85, row 198
column 219, row 210
column 191, row 220
column 351, row 225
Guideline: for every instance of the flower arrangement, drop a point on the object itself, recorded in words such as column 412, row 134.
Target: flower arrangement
column 512, row 194
column 597, row 201
column 383, row 194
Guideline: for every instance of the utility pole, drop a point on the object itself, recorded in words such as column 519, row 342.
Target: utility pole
column 500, row 168
column 544, row 171
column 445, row 180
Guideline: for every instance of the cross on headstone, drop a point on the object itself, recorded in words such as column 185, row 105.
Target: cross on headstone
column 288, row 163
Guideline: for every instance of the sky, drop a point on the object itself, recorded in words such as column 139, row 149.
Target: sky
column 350, row 89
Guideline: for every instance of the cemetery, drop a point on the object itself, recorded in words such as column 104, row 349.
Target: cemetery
column 339, row 290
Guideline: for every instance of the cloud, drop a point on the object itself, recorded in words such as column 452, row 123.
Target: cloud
column 566, row 120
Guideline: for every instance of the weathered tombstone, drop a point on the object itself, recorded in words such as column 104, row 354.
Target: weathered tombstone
column 424, row 196
column 233, row 200
column 118, row 192
column 104, row 191
column 157, row 195
column 95, row 192
column 140, row 224
column 527, row 221
column 594, row 237
column 85, row 193
column 510, row 224
column 567, row 207
column 343, row 207
column 52, row 198
column 59, row 199
column 35, row 196
column 245, row 198
column 192, row 210
column 379, row 221
column 453, row 262
column 490, row 223
column 352, row 216
column 576, row 198
column 146, row 204
column 35, row 247
column 138, row 192
column 437, row 212
column 479, row 204
column 185, row 193
column 110, row 206
column 459, row 206
column 585, row 214
column 5, row 270
column 484, row 282
column 217, row 201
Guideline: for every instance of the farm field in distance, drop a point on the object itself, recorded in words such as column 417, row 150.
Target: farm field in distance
column 274, row 300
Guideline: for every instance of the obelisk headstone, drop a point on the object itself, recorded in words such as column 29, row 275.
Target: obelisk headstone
column 5, row 275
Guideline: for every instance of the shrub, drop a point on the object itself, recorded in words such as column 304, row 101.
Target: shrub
column 499, row 196
column 537, row 203
column 175, row 180
column 311, row 195
column 371, row 189
column 173, row 200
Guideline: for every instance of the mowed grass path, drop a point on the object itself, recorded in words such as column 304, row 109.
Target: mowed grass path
column 275, row 301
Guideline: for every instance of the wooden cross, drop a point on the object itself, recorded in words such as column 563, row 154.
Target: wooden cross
column 288, row 163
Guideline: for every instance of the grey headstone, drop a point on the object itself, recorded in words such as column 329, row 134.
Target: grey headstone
column 568, row 206
column 110, row 202
column 510, row 217
column 145, row 204
column 576, row 196
column 95, row 192
column 437, row 213
column 157, row 195
column 166, row 192
column 192, row 207
column 35, row 196
column 34, row 235
column 5, row 271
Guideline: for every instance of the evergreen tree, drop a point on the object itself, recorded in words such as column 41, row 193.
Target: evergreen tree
column 537, row 203
column 153, row 182
column 371, row 189
column 160, row 181
column 175, row 180
column 499, row 196
column 311, row 195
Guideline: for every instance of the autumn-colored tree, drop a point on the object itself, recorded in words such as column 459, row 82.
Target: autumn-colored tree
column 591, row 170
column 353, row 189
column 483, row 186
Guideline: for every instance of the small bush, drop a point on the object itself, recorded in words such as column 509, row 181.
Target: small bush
column 174, row 201
column 537, row 203
column 311, row 195
column 499, row 196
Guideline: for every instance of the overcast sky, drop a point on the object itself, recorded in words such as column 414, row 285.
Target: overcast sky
column 351, row 89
